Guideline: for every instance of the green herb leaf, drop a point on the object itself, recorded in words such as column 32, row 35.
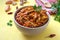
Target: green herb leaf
column 34, row 7
column 10, row 21
column 54, row 5
column 57, row 6
column 37, row 8
column 10, row 24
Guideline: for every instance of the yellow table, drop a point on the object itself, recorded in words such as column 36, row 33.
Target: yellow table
column 12, row 33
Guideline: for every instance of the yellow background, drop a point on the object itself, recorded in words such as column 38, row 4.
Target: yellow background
column 12, row 33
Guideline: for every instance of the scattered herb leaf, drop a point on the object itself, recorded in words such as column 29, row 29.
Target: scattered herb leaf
column 9, row 23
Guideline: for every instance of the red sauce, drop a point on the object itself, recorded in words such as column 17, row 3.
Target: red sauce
column 28, row 17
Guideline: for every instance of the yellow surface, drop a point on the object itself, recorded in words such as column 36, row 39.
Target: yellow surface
column 12, row 33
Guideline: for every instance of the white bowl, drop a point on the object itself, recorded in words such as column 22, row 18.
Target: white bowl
column 31, row 31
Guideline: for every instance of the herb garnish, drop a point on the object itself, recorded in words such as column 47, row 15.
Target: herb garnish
column 57, row 6
column 9, row 23
column 37, row 9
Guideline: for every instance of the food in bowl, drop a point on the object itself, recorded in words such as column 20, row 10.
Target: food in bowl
column 28, row 17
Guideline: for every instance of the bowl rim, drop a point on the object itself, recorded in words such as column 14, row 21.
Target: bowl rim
column 29, row 27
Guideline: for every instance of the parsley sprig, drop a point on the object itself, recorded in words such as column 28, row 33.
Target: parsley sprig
column 57, row 6
column 37, row 9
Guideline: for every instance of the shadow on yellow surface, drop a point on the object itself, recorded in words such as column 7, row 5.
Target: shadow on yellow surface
column 41, row 36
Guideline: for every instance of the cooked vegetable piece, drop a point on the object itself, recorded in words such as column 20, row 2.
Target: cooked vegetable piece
column 10, row 12
column 7, row 8
column 9, row 2
column 22, row 2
